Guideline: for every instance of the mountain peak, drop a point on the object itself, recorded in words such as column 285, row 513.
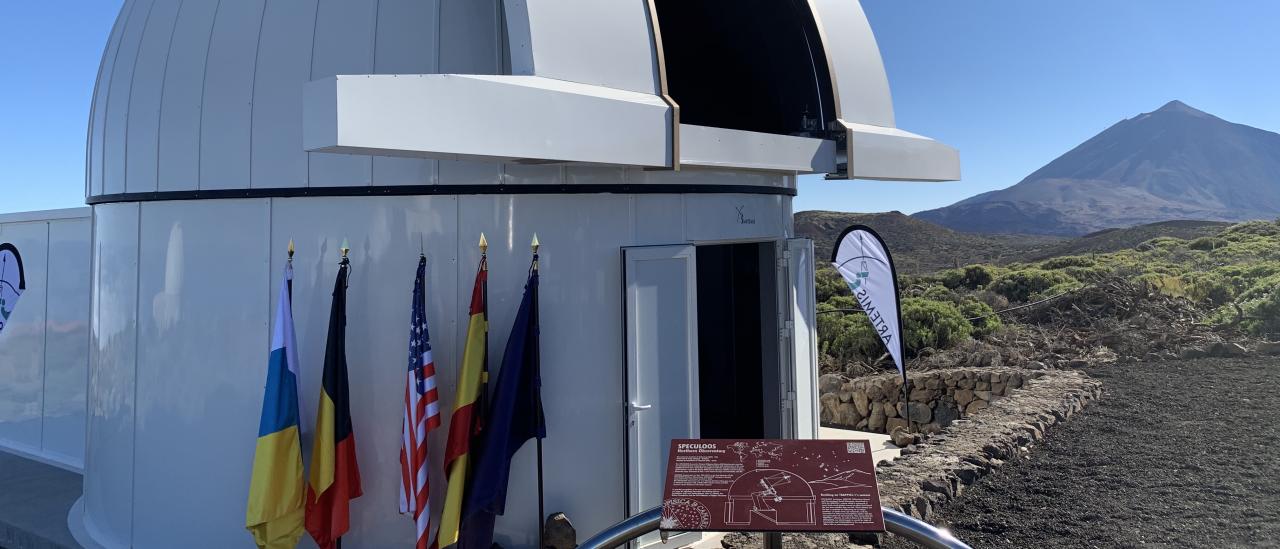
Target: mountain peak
column 1174, row 163
column 1176, row 106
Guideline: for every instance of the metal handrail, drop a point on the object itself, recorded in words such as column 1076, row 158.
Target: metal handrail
column 919, row 531
column 899, row 524
column 630, row 528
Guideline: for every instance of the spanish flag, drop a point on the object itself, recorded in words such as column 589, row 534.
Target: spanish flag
column 514, row 417
column 466, row 422
column 335, row 476
column 274, row 513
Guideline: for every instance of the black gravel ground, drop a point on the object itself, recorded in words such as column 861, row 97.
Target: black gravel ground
column 1175, row 454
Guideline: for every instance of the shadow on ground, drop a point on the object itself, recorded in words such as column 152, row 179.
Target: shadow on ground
column 34, row 501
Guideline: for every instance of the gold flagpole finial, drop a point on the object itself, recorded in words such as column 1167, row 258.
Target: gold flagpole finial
column 290, row 249
column 535, row 245
column 346, row 248
column 484, row 244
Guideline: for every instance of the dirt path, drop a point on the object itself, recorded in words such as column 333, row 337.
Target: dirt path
column 1175, row 454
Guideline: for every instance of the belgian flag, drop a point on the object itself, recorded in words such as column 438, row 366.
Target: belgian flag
column 335, row 476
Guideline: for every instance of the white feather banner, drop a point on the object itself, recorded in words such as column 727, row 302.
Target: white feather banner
column 12, row 281
column 863, row 260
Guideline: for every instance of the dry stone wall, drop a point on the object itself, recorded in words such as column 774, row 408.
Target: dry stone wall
column 939, row 468
column 936, row 397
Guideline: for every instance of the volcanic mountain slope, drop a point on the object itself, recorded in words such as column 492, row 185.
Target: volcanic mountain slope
column 1114, row 240
column 919, row 246
column 1174, row 163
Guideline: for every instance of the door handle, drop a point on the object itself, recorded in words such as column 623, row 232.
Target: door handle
column 637, row 407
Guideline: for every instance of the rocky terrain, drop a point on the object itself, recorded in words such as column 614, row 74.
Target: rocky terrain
column 1180, row 322
column 1175, row 454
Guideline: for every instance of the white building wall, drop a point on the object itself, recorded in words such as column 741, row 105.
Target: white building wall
column 183, row 312
column 113, row 357
column 44, row 348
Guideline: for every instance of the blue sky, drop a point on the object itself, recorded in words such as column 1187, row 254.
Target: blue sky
column 49, row 54
column 1011, row 83
column 1014, row 83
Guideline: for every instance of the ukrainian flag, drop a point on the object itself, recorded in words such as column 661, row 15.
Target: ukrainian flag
column 276, row 496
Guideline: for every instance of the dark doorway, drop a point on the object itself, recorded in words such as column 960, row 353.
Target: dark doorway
column 735, row 358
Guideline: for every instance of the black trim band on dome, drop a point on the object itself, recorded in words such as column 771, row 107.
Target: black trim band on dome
column 414, row 190
column 289, row 192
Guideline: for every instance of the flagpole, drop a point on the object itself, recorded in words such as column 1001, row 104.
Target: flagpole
column 345, row 249
column 482, row 400
column 537, row 350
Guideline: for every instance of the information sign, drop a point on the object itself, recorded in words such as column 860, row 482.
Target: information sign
column 771, row 486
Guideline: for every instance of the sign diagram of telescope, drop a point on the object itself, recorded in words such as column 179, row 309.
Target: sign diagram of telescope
column 775, row 495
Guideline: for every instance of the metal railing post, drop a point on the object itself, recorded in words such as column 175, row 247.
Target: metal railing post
column 899, row 524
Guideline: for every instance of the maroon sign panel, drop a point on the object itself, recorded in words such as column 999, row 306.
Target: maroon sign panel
column 771, row 485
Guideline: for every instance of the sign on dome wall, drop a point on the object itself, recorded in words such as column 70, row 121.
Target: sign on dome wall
column 771, row 486
column 12, row 281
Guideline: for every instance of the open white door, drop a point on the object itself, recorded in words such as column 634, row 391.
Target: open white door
column 799, row 340
column 662, row 365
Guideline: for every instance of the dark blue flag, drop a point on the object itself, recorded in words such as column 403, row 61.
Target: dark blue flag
column 515, row 416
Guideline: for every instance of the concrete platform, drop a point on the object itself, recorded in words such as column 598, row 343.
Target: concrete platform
column 882, row 447
column 34, row 501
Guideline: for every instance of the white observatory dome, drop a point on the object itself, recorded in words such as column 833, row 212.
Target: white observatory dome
column 648, row 144
column 208, row 95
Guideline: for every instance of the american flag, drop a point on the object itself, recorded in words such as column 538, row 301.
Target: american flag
column 421, row 415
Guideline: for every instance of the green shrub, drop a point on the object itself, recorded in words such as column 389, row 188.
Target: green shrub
column 1056, row 289
column 1160, row 242
column 1068, row 261
column 927, row 323
column 936, row 293
column 1239, row 266
column 1261, row 288
column 933, row 324
column 1021, row 285
column 1263, row 315
column 1243, row 277
column 981, row 317
column 979, row 276
column 1211, row 288
column 847, row 337
column 1207, row 243
column 1164, row 283
column 951, row 278
column 991, row 299
column 828, row 283
column 1087, row 274
column 970, row 277
column 1244, row 231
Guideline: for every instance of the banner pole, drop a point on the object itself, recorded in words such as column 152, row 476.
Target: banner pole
column 906, row 398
